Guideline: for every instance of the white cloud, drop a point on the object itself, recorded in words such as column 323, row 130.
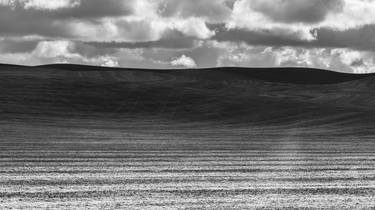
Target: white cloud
column 10, row 3
column 41, row 4
column 63, row 51
column 298, row 57
column 301, row 16
column 355, row 13
column 184, row 61
column 358, row 61
column 50, row 4
column 343, row 60
column 194, row 27
column 54, row 49
column 245, row 17
column 109, row 61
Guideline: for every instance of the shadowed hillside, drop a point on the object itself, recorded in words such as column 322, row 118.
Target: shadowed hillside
column 279, row 75
column 93, row 137
column 258, row 96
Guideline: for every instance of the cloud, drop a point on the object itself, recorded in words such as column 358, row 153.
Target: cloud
column 40, row 4
column 52, row 49
column 9, row 3
column 357, row 61
column 17, row 45
column 212, row 11
column 50, row 4
column 71, row 8
column 184, row 61
column 109, row 61
column 355, row 13
column 277, row 37
column 170, row 39
column 343, row 60
column 334, row 34
column 62, row 18
column 360, row 38
column 63, row 51
column 193, row 27
column 295, row 11
column 91, row 9
column 301, row 16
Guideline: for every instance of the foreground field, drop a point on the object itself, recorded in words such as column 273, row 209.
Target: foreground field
column 215, row 140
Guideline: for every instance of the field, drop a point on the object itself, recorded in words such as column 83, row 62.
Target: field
column 80, row 137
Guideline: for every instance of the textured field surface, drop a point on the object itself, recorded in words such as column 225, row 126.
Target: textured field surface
column 213, row 139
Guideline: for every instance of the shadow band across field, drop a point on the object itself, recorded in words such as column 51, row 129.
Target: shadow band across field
column 279, row 75
column 225, row 138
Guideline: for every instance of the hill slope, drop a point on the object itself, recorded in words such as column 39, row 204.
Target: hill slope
column 236, row 95
column 80, row 137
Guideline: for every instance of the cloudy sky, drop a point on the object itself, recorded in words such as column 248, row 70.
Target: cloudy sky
column 329, row 34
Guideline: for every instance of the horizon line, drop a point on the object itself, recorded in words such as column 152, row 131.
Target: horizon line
column 196, row 68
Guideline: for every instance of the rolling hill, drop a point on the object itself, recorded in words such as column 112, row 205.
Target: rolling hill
column 83, row 136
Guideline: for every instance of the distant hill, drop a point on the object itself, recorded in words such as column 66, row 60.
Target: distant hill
column 282, row 75
column 221, row 95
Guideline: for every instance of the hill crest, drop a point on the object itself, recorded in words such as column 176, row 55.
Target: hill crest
column 293, row 75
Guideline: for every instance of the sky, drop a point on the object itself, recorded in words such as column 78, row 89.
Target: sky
column 329, row 34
